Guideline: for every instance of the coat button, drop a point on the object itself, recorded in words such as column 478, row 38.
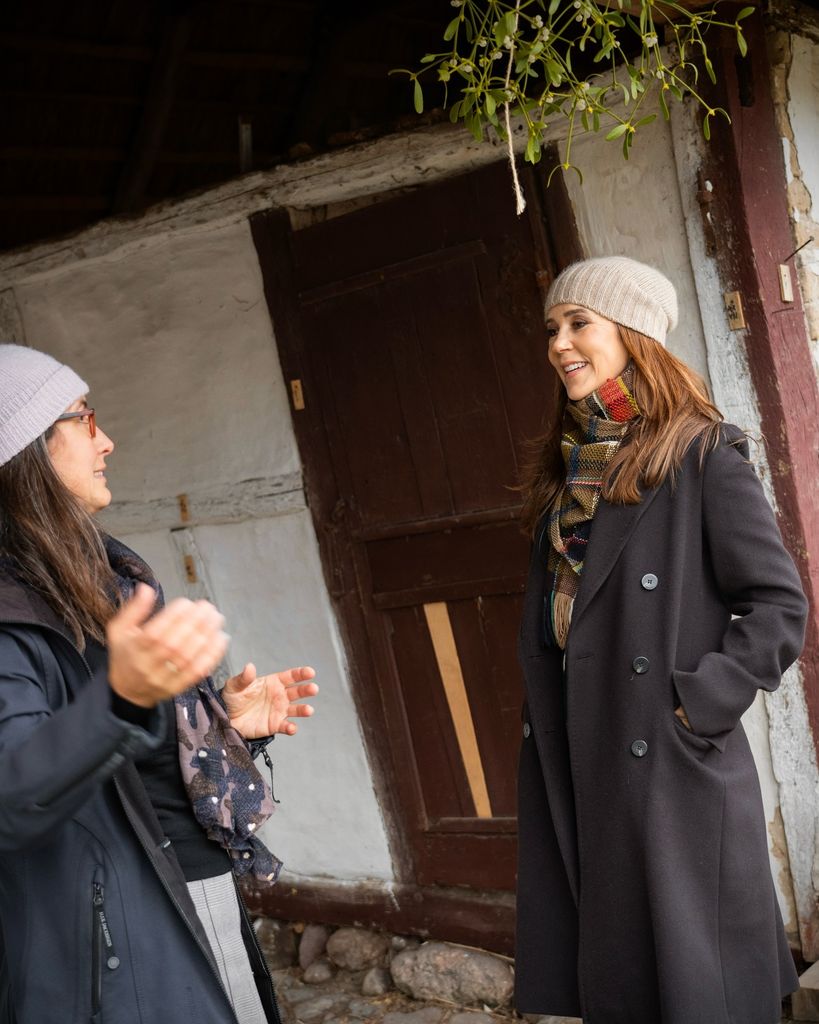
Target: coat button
column 113, row 963
column 639, row 748
column 649, row 581
column 527, row 730
column 640, row 665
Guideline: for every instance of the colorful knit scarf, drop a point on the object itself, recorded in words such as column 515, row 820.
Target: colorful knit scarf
column 229, row 797
column 593, row 428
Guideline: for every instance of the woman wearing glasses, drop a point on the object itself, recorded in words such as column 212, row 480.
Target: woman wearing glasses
column 129, row 799
column 660, row 600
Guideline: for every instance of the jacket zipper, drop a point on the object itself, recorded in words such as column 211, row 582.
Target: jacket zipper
column 102, row 945
column 177, row 906
column 96, row 951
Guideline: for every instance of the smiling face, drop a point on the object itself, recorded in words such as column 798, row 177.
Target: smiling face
column 79, row 459
column 585, row 349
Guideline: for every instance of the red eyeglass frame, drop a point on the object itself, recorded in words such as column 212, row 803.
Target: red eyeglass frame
column 79, row 415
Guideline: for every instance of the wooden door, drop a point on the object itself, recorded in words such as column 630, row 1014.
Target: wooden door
column 416, row 333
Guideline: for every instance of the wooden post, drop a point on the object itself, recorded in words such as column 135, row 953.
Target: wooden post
column 753, row 237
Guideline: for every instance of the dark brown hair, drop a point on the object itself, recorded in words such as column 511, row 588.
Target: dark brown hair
column 55, row 545
column 675, row 411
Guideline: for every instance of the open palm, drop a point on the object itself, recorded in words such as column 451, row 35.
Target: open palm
column 262, row 705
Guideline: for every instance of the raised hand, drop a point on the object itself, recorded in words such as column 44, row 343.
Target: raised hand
column 152, row 659
column 261, row 705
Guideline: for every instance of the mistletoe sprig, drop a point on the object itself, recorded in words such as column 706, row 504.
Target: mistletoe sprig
column 516, row 59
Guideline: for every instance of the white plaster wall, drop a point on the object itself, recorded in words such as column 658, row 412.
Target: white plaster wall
column 633, row 209
column 803, row 164
column 266, row 572
column 176, row 343
column 174, row 337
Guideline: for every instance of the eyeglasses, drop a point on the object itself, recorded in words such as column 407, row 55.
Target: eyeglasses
column 86, row 415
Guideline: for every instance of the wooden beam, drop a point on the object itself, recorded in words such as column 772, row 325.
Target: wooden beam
column 335, row 29
column 96, row 154
column 30, row 42
column 147, row 140
column 40, row 204
column 486, row 919
column 753, row 237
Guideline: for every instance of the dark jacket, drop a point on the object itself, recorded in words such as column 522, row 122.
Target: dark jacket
column 79, row 836
column 645, row 893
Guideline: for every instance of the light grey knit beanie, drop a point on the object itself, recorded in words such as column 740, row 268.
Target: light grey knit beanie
column 34, row 390
column 620, row 289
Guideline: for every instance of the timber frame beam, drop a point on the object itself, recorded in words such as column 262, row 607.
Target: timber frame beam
column 753, row 238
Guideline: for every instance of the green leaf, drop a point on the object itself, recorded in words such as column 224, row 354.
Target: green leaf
column 490, row 104
column 646, row 120
column 553, row 71
column 553, row 6
column 664, row 105
column 455, row 112
column 709, row 67
column 584, row 119
column 509, row 22
column 596, row 121
column 706, row 127
column 626, row 146
column 743, row 46
column 473, row 123
column 746, row 12
column 617, row 131
column 675, row 91
column 418, row 97
column 452, row 28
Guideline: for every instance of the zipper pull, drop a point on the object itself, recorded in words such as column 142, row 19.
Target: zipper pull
column 269, row 764
column 112, row 960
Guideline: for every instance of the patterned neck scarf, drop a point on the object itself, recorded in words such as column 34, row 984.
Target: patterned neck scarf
column 228, row 795
column 593, row 428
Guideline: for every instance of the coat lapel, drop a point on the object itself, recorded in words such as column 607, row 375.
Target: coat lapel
column 612, row 527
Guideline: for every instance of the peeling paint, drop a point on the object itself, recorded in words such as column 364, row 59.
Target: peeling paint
column 778, row 847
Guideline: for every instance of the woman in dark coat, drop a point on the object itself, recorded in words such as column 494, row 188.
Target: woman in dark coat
column 129, row 799
column 660, row 599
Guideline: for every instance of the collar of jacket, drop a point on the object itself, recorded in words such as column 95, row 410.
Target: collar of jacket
column 20, row 605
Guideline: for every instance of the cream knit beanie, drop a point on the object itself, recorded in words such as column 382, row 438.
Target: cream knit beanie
column 34, row 390
column 620, row 289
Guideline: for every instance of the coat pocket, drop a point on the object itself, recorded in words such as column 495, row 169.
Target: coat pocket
column 103, row 953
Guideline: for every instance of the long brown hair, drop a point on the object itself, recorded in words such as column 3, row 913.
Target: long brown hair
column 675, row 411
column 55, row 545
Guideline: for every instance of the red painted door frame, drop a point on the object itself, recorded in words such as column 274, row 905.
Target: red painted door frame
column 753, row 236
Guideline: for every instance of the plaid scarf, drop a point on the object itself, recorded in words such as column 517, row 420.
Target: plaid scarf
column 593, row 429
column 228, row 796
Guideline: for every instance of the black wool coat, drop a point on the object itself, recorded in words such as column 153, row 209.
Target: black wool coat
column 644, row 887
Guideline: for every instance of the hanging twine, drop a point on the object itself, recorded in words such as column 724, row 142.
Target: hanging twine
column 520, row 202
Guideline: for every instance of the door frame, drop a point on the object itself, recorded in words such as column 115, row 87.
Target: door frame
column 469, row 917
